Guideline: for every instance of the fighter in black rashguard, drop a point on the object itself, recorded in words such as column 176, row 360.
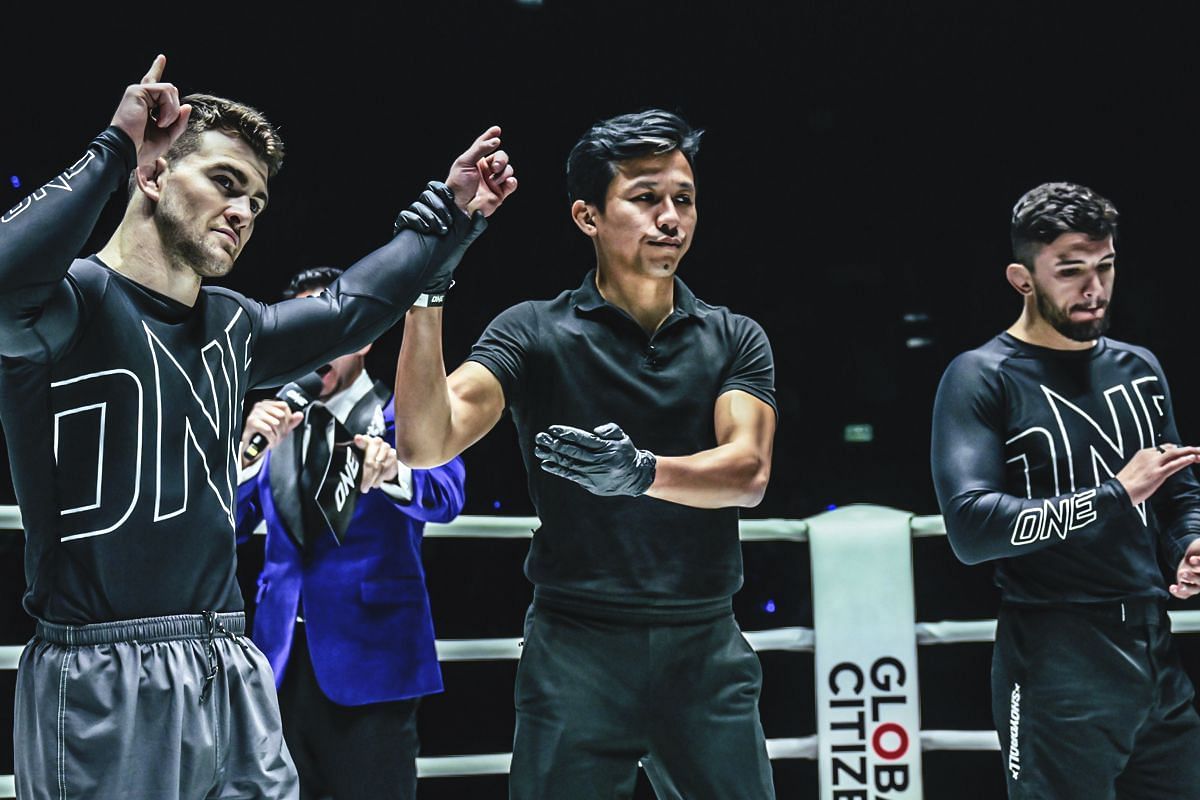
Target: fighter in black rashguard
column 121, row 390
column 1055, row 455
column 1026, row 443
column 122, row 407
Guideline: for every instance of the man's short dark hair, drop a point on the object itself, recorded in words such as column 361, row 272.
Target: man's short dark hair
column 592, row 164
column 1048, row 211
column 310, row 279
column 217, row 113
column 212, row 113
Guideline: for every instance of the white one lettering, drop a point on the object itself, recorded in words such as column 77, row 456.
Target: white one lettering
column 346, row 479
column 1068, row 514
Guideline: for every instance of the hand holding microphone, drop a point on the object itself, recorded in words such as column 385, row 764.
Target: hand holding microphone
column 270, row 420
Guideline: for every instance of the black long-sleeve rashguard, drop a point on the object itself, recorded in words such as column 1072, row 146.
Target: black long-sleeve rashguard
column 1026, row 441
column 122, row 408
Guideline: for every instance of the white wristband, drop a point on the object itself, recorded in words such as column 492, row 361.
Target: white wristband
column 433, row 300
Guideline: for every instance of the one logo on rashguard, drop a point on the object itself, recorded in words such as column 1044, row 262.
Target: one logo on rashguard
column 1081, row 451
column 186, row 415
column 62, row 183
column 1014, row 730
column 1055, row 518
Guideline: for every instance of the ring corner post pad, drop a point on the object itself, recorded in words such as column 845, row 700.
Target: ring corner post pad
column 867, row 692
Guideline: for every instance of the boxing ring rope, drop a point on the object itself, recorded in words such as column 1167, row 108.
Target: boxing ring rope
column 790, row 639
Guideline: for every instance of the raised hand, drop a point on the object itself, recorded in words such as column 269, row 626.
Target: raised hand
column 150, row 113
column 605, row 462
column 482, row 177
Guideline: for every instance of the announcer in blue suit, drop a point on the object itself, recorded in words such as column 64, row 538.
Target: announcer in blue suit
column 347, row 628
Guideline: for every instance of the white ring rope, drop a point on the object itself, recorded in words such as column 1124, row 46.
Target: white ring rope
column 800, row 640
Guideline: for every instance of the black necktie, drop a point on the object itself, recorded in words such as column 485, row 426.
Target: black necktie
column 330, row 474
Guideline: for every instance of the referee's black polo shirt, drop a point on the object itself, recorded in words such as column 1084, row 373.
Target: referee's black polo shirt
column 578, row 360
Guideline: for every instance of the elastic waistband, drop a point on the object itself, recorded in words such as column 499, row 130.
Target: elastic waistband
column 147, row 629
column 1130, row 611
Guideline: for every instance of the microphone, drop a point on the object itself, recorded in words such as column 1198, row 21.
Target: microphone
column 297, row 394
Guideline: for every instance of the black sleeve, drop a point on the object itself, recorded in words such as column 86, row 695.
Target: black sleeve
column 39, row 239
column 753, row 367
column 983, row 522
column 1177, row 502
column 297, row 336
column 505, row 345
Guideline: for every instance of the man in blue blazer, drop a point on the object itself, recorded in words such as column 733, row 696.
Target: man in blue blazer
column 347, row 627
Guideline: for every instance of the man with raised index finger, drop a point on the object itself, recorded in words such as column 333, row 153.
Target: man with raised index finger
column 121, row 385
column 637, row 557
column 1056, row 457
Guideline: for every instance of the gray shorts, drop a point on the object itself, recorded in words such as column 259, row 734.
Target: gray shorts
column 163, row 708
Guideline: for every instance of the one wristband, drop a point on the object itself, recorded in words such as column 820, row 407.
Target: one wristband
column 433, row 299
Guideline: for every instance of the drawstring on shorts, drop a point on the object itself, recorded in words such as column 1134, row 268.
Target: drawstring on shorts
column 215, row 629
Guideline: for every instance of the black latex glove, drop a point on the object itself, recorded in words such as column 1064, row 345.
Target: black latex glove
column 604, row 462
column 433, row 213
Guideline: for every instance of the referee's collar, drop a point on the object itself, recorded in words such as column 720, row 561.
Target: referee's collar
column 588, row 298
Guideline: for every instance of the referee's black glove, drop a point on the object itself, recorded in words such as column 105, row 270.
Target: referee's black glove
column 604, row 462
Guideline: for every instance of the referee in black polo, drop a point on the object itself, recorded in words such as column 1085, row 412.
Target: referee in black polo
column 646, row 418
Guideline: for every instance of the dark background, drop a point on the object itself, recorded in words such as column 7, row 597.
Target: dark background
column 858, row 170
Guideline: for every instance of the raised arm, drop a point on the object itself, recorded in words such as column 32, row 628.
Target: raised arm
column 430, row 239
column 41, row 235
column 439, row 416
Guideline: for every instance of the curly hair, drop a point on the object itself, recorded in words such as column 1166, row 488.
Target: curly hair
column 1048, row 211
column 217, row 113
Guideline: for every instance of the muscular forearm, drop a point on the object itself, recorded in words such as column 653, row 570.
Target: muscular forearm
column 423, row 414
column 730, row 475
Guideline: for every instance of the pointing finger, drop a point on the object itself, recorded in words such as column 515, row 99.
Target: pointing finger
column 154, row 75
column 487, row 143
